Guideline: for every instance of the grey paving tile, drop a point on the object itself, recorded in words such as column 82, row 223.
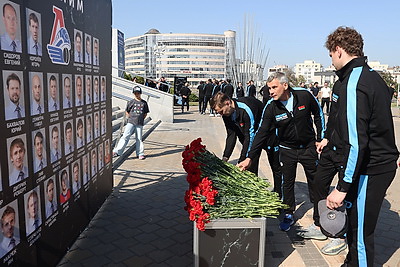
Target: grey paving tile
column 140, row 249
column 138, row 261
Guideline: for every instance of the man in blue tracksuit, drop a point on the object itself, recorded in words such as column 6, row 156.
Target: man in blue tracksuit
column 241, row 117
column 365, row 138
column 289, row 111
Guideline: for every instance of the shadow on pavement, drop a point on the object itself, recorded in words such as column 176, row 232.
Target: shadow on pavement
column 387, row 234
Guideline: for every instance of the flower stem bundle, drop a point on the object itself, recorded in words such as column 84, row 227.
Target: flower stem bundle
column 218, row 189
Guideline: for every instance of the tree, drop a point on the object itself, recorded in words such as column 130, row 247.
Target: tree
column 127, row 76
column 389, row 79
column 291, row 77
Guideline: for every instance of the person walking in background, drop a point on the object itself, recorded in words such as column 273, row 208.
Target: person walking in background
column 228, row 88
column 215, row 90
column 163, row 86
column 315, row 89
column 365, row 137
column 207, row 95
column 326, row 97
column 136, row 111
column 201, row 88
column 240, row 90
column 185, row 93
column 264, row 91
column 251, row 89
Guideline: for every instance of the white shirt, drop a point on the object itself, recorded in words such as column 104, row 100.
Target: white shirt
column 69, row 147
column 80, row 142
column 89, row 136
column 88, row 98
column 6, row 43
column 11, row 112
column 87, row 58
column 32, row 48
column 95, row 60
column 53, row 154
column 49, row 209
column 66, row 101
column 75, row 186
column 78, row 102
column 14, row 176
column 37, row 108
column 93, row 170
column 51, row 105
column 326, row 92
column 37, row 161
column 30, row 225
column 5, row 245
column 78, row 56
column 85, row 178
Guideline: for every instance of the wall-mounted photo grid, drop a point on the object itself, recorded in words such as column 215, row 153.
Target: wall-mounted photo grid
column 55, row 163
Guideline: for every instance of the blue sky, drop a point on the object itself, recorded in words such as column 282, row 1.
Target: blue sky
column 293, row 31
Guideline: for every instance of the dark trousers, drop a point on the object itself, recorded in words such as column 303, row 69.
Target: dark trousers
column 328, row 165
column 185, row 101
column 366, row 196
column 289, row 159
column 205, row 102
column 273, row 159
column 201, row 101
column 325, row 100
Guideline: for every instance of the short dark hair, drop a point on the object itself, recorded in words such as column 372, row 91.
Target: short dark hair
column 11, row 77
column 68, row 126
column 38, row 135
column 53, row 78
column 33, row 17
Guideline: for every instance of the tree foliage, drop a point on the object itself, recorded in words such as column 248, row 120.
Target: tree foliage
column 389, row 79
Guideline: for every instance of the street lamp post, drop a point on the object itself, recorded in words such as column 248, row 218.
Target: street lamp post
column 158, row 52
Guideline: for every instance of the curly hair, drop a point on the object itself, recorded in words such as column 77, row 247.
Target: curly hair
column 347, row 38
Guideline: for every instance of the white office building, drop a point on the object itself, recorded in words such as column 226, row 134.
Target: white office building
column 195, row 56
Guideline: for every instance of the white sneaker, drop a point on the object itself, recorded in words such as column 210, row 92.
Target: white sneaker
column 212, row 115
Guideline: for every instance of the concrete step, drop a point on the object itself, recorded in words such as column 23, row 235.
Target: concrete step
column 117, row 114
column 148, row 127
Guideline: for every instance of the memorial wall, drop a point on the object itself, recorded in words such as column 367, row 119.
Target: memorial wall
column 55, row 117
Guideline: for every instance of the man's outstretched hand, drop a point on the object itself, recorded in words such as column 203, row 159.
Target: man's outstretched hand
column 244, row 165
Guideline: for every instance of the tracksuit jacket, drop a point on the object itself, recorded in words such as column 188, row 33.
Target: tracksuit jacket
column 242, row 124
column 295, row 129
column 362, row 126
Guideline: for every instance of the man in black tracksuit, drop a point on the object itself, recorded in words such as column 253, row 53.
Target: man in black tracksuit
column 201, row 89
column 207, row 94
column 251, row 89
column 290, row 112
column 228, row 88
column 364, row 135
column 264, row 91
column 329, row 164
column 241, row 117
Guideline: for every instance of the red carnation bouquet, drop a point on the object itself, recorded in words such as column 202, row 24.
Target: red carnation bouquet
column 218, row 189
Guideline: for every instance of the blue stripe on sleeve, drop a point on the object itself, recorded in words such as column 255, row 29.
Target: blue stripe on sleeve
column 252, row 122
column 352, row 124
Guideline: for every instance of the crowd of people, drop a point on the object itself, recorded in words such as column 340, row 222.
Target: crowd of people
column 357, row 143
